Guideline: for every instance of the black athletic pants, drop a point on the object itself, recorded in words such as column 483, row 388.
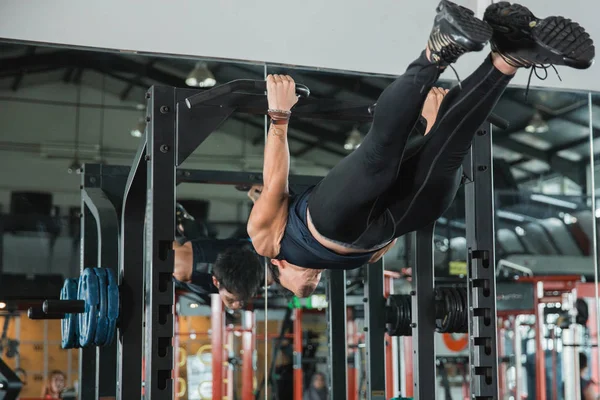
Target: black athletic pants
column 373, row 195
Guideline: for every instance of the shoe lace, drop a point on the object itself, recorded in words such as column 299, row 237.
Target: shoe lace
column 534, row 70
column 441, row 68
column 520, row 63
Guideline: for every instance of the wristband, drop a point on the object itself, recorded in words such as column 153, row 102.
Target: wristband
column 279, row 117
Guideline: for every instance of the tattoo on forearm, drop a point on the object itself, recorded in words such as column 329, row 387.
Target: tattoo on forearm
column 276, row 131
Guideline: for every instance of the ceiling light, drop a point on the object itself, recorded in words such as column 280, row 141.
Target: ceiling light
column 201, row 76
column 354, row 140
column 75, row 167
column 540, row 198
column 2, row 305
column 537, row 124
column 138, row 130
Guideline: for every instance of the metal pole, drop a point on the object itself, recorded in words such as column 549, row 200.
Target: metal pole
column 518, row 357
column 229, row 368
column 159, row 237
column 501, row 353
column 423, row 316
column 479, row 196
column 107, row 227
column 217, row 319
column 375, row 331
column 88, row 357
column 130, row 349
column 248, row 338
column 390, row 356
column 540, row 358
column 338, row 350
column 298, row 376
column 407, row 349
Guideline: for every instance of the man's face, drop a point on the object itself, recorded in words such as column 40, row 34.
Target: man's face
column 229, row 299
column 301, row 281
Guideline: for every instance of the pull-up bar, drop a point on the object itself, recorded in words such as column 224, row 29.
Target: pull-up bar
column 256, row 87
column 235, row 86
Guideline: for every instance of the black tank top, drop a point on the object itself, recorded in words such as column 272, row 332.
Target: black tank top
column 299, row 247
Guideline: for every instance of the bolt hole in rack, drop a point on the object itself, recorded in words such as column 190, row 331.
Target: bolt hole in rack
column 125, row 291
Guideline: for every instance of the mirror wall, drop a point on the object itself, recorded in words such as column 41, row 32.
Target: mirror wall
column 60, row 108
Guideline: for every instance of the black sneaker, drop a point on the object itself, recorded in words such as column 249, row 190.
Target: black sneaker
column 524, row 40
column 456, row 31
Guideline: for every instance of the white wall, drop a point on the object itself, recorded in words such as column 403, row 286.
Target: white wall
column 375, row 37
column 37, row 146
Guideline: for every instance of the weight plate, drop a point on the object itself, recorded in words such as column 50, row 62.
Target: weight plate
column 456, row 310
column 114, row 305
column 406, row 304
column 392, row 316
column 88, row 292
column 102, row 315
column 69, row 323
column 465, row 313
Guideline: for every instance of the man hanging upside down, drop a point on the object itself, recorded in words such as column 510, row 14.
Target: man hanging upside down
column 378, row 193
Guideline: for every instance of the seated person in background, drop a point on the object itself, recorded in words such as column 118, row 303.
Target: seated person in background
column 587, row 385
column 205, row 265
column 317, row 389
column 54, row 385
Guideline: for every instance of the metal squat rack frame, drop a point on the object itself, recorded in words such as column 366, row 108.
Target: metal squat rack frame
column 481, row 273
column 133, row 231
column 125, row 226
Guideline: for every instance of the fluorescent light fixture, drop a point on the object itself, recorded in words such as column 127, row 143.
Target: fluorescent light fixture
column 537, row 124
column 354, row 140
column 569, row 219
column 510, row 215
column 201, row 76
column 139, row 129
column 540, row 198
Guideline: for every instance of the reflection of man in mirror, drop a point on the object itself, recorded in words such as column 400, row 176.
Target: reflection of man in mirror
column 407, row 170
column 206, row 265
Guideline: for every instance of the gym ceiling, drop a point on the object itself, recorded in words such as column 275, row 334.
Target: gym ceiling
column 557, row 142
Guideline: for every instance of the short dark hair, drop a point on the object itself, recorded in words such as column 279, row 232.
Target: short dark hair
column 583, row 361
column 239, row 270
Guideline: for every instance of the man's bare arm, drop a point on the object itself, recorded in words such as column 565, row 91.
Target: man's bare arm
column 270, row 209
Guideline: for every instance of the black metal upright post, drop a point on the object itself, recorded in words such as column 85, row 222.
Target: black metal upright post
column 338, row 350
column 375, row 331
column 130, row 346
column 159, row 236
column 423, row 315
column 88, row 357
column 104, row 212
column 482, row 268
